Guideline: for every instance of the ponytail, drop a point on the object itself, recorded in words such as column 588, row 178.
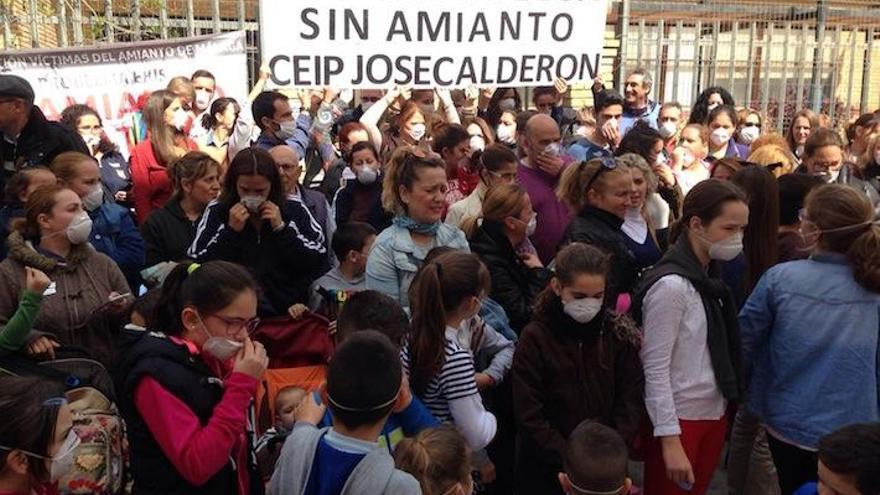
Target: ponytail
column 864, row 257
column 208, row 287
column 437, row 457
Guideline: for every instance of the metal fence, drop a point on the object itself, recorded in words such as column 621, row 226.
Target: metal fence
column 775, row 56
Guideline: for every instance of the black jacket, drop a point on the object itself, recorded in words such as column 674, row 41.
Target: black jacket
column 8, row 213
column 602, row 229
column 284, row 263
column 167, row 234
column 514, row 285
column 188, row 379
column 565, row 372
column 38, row 144
column 343, row 204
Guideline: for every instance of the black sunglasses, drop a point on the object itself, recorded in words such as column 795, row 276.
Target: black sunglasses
column 607, row 163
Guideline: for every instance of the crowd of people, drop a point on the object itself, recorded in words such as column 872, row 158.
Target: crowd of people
column 522, row 298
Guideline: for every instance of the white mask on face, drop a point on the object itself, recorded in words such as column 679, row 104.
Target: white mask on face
column 668, row 129
column 727, row 249
column 180, row 118
column 286, row 130
column 417, row 132
column 203, row 99
column 553, row 149
column 531, row 226
column 62, row 462
column 365, row 105
column 477, row 143
column 367, row 175
column 79, row 229
column 581, row 131
column 94, row 198
column 712, row 106
column 91, row 140
column 505, row 134
column 507, row 104
column 583, row 310
column 219, row 347
column 747, row 135
column 252, row 203
column 719, row 136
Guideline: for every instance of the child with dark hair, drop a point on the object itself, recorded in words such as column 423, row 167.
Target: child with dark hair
column 18, row 188
column 373, row 310
column 143, row 310
column 595, row 461
column 363, row 388
column 849, row 462
column 351, row 244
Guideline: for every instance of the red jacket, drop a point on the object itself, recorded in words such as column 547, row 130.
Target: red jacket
column 151, row 186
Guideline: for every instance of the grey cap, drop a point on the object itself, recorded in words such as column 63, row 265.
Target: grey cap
column 16, row 87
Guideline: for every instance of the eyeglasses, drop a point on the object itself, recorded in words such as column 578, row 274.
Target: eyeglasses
column 234, row 325
column 607, row 163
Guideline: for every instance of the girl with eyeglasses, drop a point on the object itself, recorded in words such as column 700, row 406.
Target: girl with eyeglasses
column 185, row 388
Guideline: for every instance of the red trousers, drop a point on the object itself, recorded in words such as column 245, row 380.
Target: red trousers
column 703, row 442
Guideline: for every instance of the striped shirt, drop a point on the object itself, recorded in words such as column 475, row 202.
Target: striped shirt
column 454, row 381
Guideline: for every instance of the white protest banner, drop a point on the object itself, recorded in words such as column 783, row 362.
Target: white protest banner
column 451, row 43
column 110, row 78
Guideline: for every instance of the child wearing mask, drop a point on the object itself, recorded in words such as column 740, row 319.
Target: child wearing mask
column 185, row 392
column 439, row 459
column 351, row 244
column 363, row 387
column 37, row 440
column 691, row 348
column 360, row 199
column 590, row 356
column 446, row 293
column 595, row 461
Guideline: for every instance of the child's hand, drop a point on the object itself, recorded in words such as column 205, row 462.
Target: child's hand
column 43, row 347
column 297, row 311
column 308, row 411
column 484, row 381
column 35, row 280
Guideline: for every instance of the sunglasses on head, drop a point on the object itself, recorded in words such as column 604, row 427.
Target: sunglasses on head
column 606, row 163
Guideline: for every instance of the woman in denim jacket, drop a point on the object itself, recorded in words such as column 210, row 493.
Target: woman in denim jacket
column 414, row 189
column 810, row 334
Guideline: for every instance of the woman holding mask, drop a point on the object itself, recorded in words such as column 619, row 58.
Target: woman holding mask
column 361, row 199
column 253, row 225
column 690, row 351
column 452, row 143
column 115, row 170
column 54, row 238
column 113, row 230
column 150, row 159
column 37, row 440
column 496, row 166
column 185, row 392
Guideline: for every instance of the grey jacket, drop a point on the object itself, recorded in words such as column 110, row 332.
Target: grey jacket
column 374, row 475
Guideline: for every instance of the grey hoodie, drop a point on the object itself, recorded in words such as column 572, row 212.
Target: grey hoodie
column 374, row 475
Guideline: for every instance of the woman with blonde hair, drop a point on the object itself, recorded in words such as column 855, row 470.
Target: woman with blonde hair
column 648, row 210
column 439, row 459
column 777, row 160
column 506, row 222
column 166, row 142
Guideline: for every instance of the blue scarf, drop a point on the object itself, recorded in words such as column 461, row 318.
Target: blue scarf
column 405, row 222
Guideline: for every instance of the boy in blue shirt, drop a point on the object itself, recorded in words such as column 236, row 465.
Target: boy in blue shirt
column 363, row 386
column 848, row 462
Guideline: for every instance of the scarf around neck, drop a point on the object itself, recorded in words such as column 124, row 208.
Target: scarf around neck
column 406, row 222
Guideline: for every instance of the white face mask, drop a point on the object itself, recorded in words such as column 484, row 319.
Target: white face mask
column 719, row 136
column 62, row 462
column 553, row 149
column 286, row 130
column 180, row 118
column 79, row 229
column 252, row 203
column 367, row 175
column 668, row 129
column 477, row 143
column 727, row 249
column 712, row 106
column 203, row 99
column 531, row 226
column 581, row 131
column 91, row 140
column 365, row 105
column 507, row 104
column 505, row 134
column 94, row 199
column 417, row 132
column 583, row 310
column 219, row 347
column 747, row 135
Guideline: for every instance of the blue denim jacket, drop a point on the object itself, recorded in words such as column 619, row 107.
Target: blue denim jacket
column 395, row 259
column 810, row 338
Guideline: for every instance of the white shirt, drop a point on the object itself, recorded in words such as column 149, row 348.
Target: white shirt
column 679, row 378
column 687, row 179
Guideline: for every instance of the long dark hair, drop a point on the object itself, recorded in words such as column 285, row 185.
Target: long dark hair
column 493, row 109
column 209, row 121
column 705, row 201
column 30, row 407
column 574, row 260
column 700, row 111
column 760, row 241
column 208, row 287
column 640, row 140
column 70, row 117
column 252, row 161
column 439, row 287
